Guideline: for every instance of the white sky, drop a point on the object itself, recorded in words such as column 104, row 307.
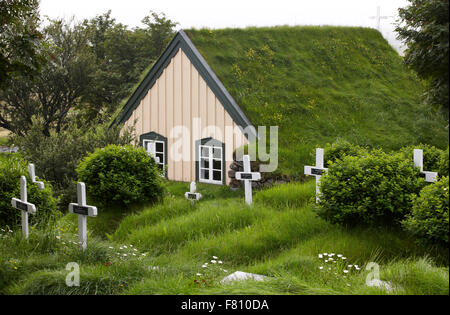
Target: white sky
column 236, row 13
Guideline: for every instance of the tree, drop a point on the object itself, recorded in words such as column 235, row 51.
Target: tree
column 58, row 88
column 19, row 39
column 122, row 54
column 424, row 27
column 93, row 66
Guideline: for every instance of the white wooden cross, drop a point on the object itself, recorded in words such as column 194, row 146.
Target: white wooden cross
column 248, row 176
column 23, row 205
column 192, row 195
column 418, row 162
column 33, row 176
column 83, row 212
column 378, row 17
column 317, row 171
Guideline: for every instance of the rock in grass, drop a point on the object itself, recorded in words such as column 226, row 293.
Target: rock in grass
column 242, row 276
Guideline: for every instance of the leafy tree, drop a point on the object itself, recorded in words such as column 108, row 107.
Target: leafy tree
column 19, row 39
column 93, row 65
column 58, row 88
column 122, row 54
column 424, row 26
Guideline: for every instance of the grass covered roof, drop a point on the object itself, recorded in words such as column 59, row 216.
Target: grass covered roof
column 319, row 84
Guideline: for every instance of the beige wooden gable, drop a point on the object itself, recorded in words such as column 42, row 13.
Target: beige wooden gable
column 181, row 98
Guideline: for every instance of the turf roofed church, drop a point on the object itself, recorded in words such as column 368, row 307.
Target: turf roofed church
column 198, row 103
column 184, row 116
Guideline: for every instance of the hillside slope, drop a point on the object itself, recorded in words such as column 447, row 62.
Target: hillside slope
column 319, row 84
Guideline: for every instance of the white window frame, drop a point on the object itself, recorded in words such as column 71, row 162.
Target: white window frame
column 210, row 158
column 144, row 144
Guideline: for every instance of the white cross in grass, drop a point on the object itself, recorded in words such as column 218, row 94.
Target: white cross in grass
column 33, row 176
column 83, row 212
column 192, row 194
column 317, row 171
column 418, row 162
column 248, row 176
column 23, row 205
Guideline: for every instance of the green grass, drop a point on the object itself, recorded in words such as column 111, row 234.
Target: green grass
column 280, row 237
column 319, row 84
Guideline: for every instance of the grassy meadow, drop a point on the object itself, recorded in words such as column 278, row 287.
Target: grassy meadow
column 162, row 249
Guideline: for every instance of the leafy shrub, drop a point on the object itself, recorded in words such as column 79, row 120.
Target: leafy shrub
column 121, row 175
column 429, row 217
column 375, row 189
column 56, row 157
column 443, row 164
column 339, row 149
column 11, row 168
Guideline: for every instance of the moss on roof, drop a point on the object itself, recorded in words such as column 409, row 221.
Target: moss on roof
column 319, row 84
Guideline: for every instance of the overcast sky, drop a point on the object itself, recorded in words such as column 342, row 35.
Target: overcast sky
column 236, row 13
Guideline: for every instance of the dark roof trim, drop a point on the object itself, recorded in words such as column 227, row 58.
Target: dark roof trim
column 181, row 40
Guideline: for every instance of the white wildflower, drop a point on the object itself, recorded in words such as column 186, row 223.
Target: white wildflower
column 213, row 261
column 320, row 256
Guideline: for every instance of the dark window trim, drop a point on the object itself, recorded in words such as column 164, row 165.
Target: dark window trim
column 155, row 136
column 181, row 40
column 212, row 142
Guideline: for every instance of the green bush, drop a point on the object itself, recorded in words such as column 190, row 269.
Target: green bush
column 121, row 175
column 56, row 157
column 13, row 166
column 429, row 217
column 374, row 190
column 443, row 164
column 339, row 149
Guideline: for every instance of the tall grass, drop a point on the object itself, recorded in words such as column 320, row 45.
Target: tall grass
column 279, row 236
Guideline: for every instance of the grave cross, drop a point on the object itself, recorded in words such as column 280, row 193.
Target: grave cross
column 192, row 195
column 248, row 176
column 23, row 205
column 33, row 176
column 83, row 212
column 418, row 162
column 317, row 171
column 378, row 17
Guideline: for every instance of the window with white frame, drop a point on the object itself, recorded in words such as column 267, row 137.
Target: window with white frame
column 156, row 149
column 211, row 162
